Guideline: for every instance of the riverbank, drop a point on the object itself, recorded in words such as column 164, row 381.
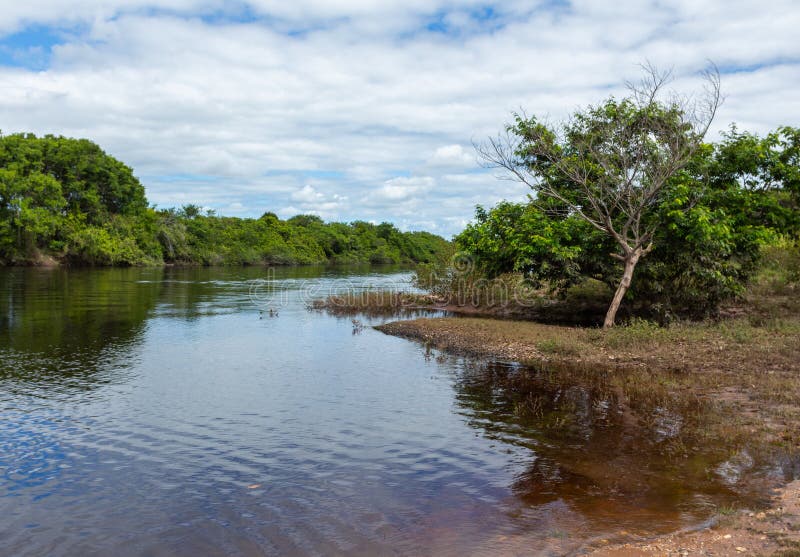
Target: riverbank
column 755, row 367
column 732, row 347
column 775, row 531
column 741, row 376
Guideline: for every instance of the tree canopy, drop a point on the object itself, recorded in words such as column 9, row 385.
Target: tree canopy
column 610, row 164
column 709, row 224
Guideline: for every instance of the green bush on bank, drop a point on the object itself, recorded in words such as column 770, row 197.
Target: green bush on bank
column 734, row 209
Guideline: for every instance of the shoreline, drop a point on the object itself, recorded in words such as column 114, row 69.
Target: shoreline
column 774, row 531
column 728, row 347
column 753, row 370
column 53, row 263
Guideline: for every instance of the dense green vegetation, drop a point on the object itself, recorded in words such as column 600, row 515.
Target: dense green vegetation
column 736, row 203
column 67, row 199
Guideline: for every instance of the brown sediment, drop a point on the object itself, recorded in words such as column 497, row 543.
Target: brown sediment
column 775, row 531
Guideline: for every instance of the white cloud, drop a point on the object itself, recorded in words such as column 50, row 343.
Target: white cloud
column 360, row 112
column 309, row 200
column 307, row 195
column 287, row 212
column 453, row 155
column 398, row 189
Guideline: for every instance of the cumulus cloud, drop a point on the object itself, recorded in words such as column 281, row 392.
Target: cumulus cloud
column 308, row 200
column 307, row 195
column 401, row 188
column 360, row 109
column 453, row 155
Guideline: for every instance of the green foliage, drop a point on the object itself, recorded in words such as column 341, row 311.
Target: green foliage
column 515, row 237
column 780, row 264
column 304, row 239
column 766, row 172
column 707, row 249
column 66, row 197
column 96, row 245
column 607, row 160
column 30, row 211
column 93, row 183
column 712, row 223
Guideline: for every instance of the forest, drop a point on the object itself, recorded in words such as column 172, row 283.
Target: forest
column 66, row 201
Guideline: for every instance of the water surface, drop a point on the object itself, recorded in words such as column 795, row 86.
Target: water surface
column 165, row 412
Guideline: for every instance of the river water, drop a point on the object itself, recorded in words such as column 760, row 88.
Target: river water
column 166, row 412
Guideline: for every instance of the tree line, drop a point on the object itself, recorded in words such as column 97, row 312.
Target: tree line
column 67, row 199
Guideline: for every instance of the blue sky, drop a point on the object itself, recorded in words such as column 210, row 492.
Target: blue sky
column 361, row 109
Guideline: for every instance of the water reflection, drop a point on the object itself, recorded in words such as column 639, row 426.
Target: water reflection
column 69, row 328
column 75, row 330
column 642, row 466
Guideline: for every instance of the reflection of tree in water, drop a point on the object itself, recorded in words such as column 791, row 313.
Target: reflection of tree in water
column 70, row 328
column 63, row 336
column 78, row 328
column 615, row 457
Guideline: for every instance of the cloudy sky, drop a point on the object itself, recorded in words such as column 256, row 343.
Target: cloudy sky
column 361, row 108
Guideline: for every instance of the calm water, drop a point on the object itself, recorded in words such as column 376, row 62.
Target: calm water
column 159, row 412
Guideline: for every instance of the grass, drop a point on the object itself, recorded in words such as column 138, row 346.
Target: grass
column 727, row 510
column 373, row 302
column 557, row 347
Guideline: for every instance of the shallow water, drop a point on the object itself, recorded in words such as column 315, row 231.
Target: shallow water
column 164, row 412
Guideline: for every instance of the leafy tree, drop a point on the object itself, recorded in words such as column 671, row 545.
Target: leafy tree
column 516, row 237
column 30, row 211
column 610, row 164
column 305, row 220
column 191, row 210
column 713, row 222
column 706, row 245
column 766, row 172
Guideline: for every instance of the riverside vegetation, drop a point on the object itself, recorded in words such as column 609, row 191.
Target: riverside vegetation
column 66, row 201
column 727, row 231
column 711, row 317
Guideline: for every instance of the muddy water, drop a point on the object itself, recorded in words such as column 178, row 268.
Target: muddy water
column 166, row 412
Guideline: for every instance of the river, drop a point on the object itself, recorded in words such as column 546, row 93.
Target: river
column 167, row 412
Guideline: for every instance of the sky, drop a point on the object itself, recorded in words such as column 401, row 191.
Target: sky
column 363, row 109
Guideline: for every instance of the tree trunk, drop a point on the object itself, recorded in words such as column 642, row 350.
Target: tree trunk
column 630, row 264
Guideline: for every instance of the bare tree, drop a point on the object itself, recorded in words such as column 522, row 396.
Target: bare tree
column 610, row 164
